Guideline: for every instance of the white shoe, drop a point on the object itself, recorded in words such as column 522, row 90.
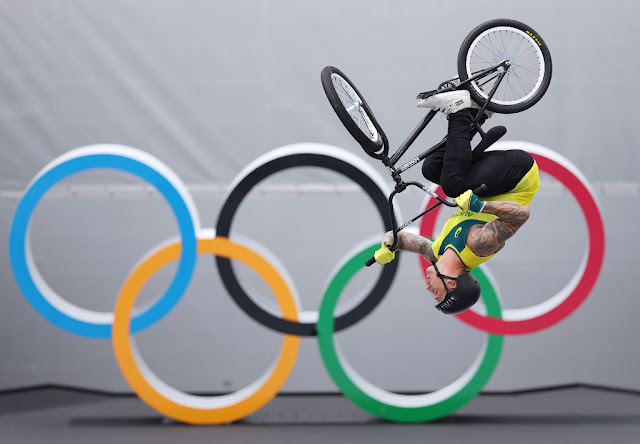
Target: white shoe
column 448, row 102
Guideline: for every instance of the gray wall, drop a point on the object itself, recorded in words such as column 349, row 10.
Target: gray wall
column 207, row 87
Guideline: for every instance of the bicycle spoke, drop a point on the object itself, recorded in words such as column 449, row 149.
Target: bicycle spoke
column 353, row 106
column 496, row 46
column 484, row 60
column 344, row 94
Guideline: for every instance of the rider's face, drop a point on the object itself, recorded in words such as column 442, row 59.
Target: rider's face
column 435, row 285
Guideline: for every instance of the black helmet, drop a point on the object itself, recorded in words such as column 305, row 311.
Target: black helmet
column 464, row 296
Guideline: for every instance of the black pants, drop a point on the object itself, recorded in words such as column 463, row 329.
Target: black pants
column 455, row 169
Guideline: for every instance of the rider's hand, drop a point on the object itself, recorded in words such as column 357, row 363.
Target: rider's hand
column 384, row 255
column 469, row 201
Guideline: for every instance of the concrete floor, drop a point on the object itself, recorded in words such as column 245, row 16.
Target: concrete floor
column 569, row 415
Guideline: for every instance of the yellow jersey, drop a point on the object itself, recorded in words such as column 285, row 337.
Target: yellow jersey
column 454, row 232
column 454, row 236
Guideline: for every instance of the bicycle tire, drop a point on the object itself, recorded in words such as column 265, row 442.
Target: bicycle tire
column 353, row 111
column 529, row 75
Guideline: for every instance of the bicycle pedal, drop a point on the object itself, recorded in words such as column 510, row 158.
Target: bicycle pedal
column 424, row 95
column 449, row 85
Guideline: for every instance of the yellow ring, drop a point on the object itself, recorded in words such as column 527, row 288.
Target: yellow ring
column 159, row 396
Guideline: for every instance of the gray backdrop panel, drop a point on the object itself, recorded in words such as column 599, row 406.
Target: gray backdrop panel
column 209, row 86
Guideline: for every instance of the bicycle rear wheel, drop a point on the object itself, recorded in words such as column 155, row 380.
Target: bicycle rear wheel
column 353, row 111
column 529, row 73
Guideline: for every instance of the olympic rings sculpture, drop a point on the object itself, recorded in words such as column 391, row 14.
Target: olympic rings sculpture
column 193, row 240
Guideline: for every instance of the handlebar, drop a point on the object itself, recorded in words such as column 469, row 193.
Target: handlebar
column 480, row 190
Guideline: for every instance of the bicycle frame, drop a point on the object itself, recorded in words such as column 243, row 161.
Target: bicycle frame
column 390, row 162
column 500, row 71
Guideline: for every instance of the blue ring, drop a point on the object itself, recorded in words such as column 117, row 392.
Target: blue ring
column 22, row 216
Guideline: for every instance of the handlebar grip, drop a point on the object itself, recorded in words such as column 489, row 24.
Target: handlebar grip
column 370, row 261
column 481, row 189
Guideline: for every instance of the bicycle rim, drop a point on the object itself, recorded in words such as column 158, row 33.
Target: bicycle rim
column 525, row 76
column 353, row 105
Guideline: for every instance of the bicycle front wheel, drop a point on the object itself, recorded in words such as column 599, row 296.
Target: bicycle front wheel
column 529, row 65
column 353, row 111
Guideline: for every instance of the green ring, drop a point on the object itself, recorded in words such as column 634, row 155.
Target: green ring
column 464, row 388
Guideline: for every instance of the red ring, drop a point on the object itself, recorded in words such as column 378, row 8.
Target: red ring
column 595, row 225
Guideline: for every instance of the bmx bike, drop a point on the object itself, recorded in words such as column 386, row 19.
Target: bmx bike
column 504, row 64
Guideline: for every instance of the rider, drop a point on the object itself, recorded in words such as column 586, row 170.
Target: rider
column 480, row 228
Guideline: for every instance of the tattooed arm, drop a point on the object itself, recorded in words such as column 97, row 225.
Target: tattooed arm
column 487, row 239
column 412, row 242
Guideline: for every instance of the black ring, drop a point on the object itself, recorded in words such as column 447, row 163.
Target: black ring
column 245, row 185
